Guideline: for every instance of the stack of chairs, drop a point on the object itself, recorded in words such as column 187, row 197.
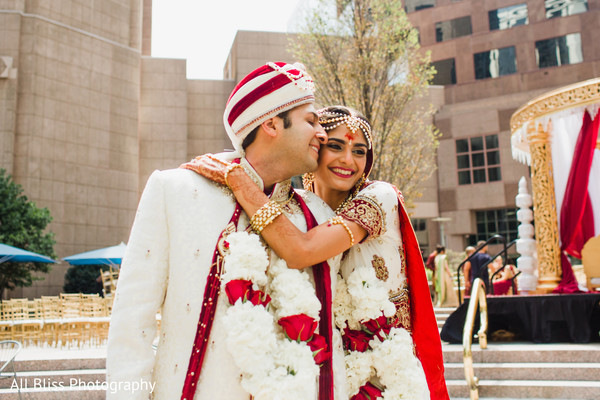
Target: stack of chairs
column 21, row 321
column 109, row 281
column 66, row 320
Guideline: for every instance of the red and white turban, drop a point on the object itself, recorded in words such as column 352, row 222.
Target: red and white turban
column 264, row 93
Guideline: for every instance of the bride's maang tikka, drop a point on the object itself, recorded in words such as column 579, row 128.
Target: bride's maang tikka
column 333, row 120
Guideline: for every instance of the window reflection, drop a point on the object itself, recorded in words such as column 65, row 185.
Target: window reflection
column 416, row 5
column 507, row 17
column 563, row 8
column 446, row 72
column 560, row 50
column 495, row 63
column 454, row 28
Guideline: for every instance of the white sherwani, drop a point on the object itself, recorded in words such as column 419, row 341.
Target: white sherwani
column 180, row 217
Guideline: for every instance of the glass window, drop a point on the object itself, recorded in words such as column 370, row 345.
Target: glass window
column 476, row 143
column 454, row 28
column 560, row 50
column 493, row 157
column 494, row 174
column 496, row 222
column 491, row 141
column 495, row 63
column 507, row 17
column 416, row 5
column 563, row 8
column 479, row 175
column 478, row 160
column 463, row 161
column 446, row 72
column 464, row 177
column 462, row 146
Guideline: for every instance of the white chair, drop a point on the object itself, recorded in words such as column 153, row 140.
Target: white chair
column 8, row 351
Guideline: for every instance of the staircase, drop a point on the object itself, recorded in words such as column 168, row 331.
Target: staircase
column 516, row 370
column 506, row 371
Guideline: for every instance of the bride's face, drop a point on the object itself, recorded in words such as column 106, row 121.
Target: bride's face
column 342, row 160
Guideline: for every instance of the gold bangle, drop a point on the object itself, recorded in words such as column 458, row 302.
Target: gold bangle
column 338, row 220
column 264, row 216
column 228, row 170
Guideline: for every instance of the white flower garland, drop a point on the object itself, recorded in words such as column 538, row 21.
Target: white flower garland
column 273, row 367
column 390, row 360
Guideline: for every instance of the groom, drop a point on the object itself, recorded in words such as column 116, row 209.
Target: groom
column 171, row 264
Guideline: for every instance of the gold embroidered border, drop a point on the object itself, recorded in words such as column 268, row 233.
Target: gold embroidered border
column 366, row 213
column 401, row 300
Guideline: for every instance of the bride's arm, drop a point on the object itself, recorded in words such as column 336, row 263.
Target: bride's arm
column 297, row 248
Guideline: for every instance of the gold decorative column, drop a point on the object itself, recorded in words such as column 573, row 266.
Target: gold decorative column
column 544, row 207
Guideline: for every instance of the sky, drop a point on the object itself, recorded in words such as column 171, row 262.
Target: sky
column 202, row 32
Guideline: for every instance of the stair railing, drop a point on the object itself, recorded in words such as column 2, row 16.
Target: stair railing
column 477, row 299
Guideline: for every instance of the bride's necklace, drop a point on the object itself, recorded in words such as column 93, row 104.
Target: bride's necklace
column 344, row 204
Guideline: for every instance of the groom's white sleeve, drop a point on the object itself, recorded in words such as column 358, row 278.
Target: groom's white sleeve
column 139, row 295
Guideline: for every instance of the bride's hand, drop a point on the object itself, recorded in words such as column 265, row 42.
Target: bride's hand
column 209, row 167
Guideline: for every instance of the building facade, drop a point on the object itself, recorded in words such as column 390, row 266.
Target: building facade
column 86, row 113
column 492, row 57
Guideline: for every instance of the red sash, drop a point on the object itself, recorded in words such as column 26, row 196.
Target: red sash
column 425, row 332
column 322, row 276
column 207, row 315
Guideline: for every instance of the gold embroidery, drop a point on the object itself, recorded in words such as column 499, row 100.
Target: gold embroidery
column 292, row 207
column 401, row 300
column 381, row 270
column 367, row 213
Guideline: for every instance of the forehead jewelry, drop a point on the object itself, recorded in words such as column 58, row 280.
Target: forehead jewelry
column 353, row 123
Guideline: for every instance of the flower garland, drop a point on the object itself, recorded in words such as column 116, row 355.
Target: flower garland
column 278, row 360
column 380, row 362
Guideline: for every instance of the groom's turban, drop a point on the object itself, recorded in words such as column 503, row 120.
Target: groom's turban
column 264, row 93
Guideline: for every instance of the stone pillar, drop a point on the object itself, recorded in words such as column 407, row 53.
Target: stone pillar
column 527, row 263
column 544, row 207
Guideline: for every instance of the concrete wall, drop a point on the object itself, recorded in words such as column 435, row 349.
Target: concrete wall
column 75, row 134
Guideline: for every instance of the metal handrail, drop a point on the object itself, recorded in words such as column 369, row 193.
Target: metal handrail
column 477, row 299
column 462, row 264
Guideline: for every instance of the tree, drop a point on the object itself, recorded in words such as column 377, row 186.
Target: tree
column 83, row 279
column 365, row 54
column 22, row 225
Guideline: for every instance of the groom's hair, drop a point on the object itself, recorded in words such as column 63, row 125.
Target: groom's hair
column 287, row 122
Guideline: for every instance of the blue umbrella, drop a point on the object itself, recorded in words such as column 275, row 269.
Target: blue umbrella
column 14, row 254
column 106, row 256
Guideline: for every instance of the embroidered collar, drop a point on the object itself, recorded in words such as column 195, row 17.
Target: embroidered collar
column 281, row 190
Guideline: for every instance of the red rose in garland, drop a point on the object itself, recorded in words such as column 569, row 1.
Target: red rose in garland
column 318, row 345
column 238, row 289
column 299, row 327
column 379, row 327
column 259, row 297
column 367, row 392
column 356, row 340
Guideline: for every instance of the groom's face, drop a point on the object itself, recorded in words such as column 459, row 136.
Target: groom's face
column 299, row 142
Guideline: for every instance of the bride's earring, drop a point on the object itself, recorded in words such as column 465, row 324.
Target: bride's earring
column 307, row 181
